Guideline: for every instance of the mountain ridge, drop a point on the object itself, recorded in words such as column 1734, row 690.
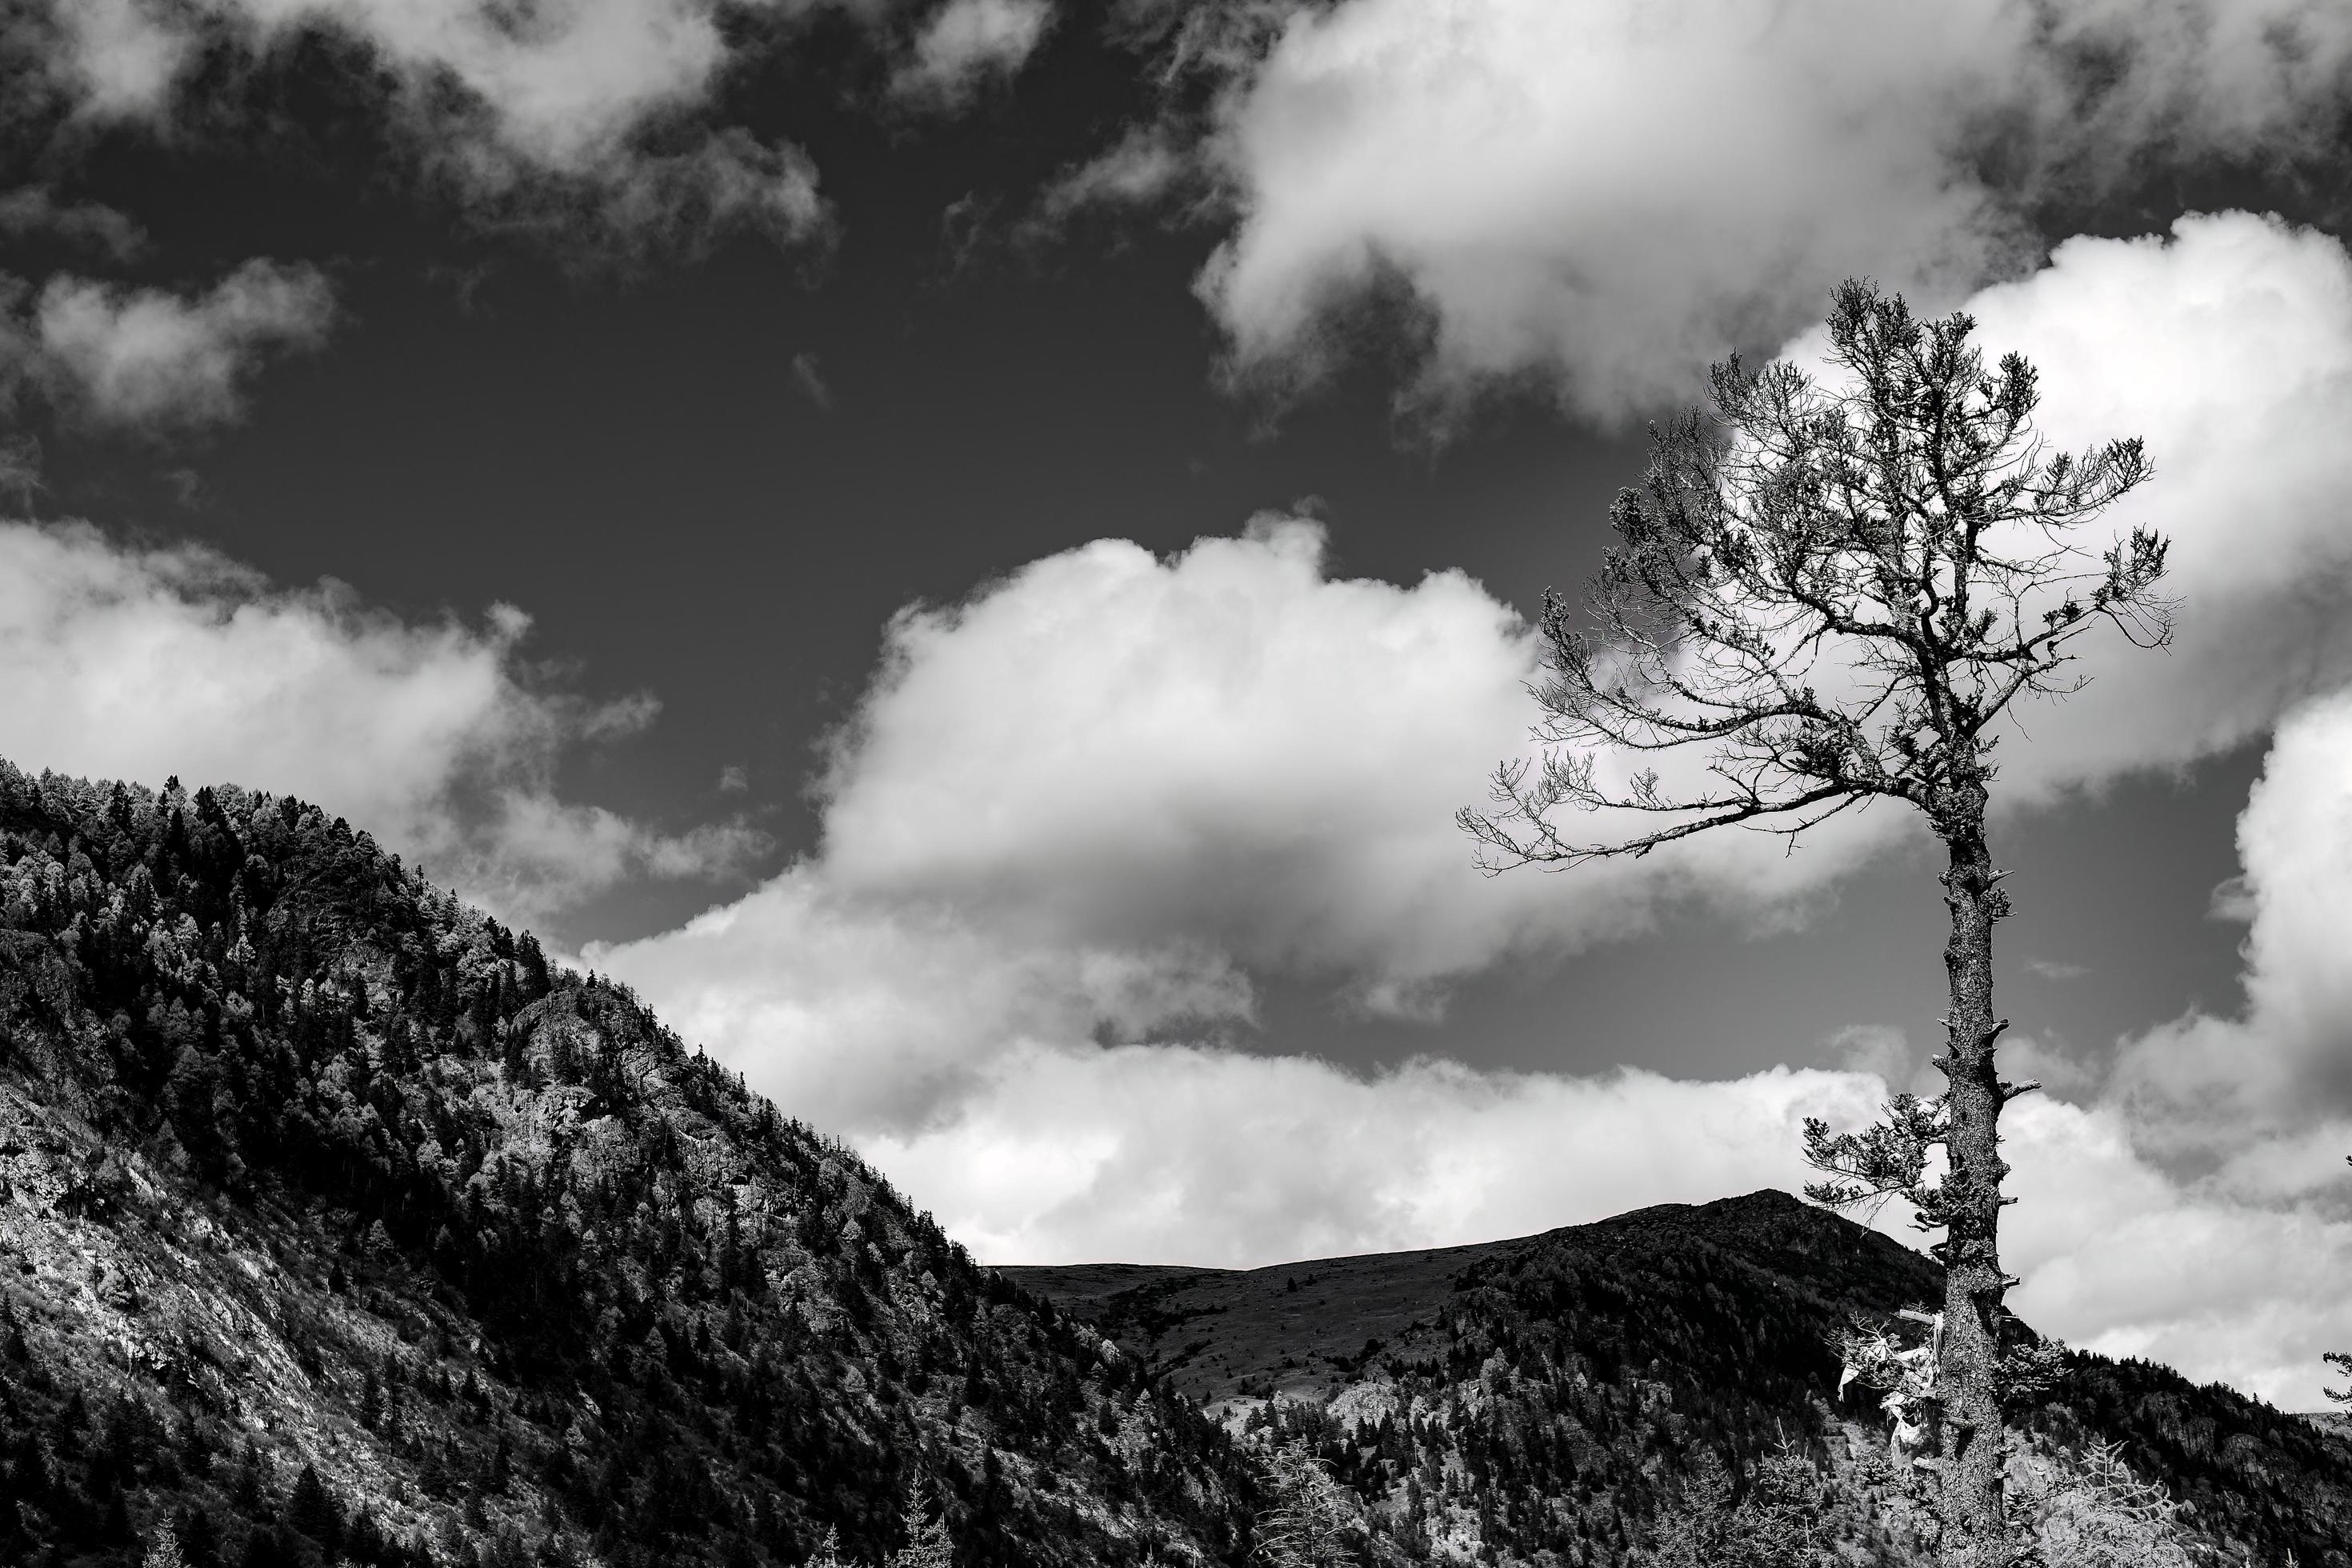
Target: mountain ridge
column 335, row 1221
column 1558, row 1344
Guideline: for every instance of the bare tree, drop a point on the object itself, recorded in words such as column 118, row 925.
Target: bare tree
column 1832, row 589
column 1307, row 1519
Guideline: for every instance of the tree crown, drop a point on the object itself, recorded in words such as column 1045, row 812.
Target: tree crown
column 1832, row 587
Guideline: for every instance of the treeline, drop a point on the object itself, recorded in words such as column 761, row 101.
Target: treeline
column 638, row 1312
column 1588, row 1392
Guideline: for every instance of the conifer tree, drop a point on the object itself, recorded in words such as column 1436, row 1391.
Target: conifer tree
column 1306, row 1522
column 928, row 1544
column 1831, row 591
column 164, row 1549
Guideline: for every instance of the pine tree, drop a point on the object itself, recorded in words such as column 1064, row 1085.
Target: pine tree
column 1307, row 1520
column 164, row 1549
column 928, row 1545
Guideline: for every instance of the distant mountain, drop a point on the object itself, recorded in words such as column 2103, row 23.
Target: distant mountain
column 1554, row 1394
column 334, row 1224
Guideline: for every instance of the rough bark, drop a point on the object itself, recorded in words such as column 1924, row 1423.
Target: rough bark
column 1975, row 1532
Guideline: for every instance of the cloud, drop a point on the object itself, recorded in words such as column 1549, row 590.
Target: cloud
column 966, row 42
column 1228, row 1159
column 2227, row 345
column 680, row 204
column 1231, row 746
column 33, row 211
column 149, row 359
column 969, row 1069
column 1140, row 168
column 118, row 58
column 2120, row 1258
column 809, row 381
column 1605, row 198
column 1207, row 1156
column 1079, row 814
column 140, row 663
column 865, row 1014
column 2231, row 1088
column 580, row 108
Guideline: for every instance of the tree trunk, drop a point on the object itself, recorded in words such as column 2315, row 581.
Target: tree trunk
column 1975, row 1534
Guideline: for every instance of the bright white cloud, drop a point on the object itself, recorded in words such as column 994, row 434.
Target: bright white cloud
column 966, row 42
column 1072, row 1154
column 1607, row 196
column 2227, row 345
column 1093, row 802
column 1232, row 748
column 967, row 1070
column 146, row 358
column 124, row 663
column 2119, row 1258
column 2269, row 1092
column 863, row 1014
column 1228, row 1159
column 554, row 103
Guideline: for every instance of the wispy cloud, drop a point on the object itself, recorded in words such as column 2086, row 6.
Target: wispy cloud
column 967, row 43
column 809, row 380
column 35, row 212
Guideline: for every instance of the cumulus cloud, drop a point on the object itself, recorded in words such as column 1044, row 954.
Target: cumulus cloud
column 579, row 104
column 966, row 42
column 1606, row 196
column 1232, row 746
column 2231, row 1087
column 134, row 663
column 147, row 358
column 2227, row 345
column 119, row 58
column 1078, row 814
column 1218, row 1158
column 970, row 1070
column 1227, row 1159
column 2122, row 1258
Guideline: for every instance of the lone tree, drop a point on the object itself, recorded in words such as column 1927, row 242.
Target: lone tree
column 1831, row 589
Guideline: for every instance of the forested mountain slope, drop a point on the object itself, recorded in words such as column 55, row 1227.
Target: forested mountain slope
column 333, row 1224
column 1555, row 1393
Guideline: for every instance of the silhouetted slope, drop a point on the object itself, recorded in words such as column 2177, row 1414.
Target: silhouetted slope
column 332, row 1221
column 1554, row 1392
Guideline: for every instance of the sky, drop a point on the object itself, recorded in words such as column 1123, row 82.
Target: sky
column 970, row 550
